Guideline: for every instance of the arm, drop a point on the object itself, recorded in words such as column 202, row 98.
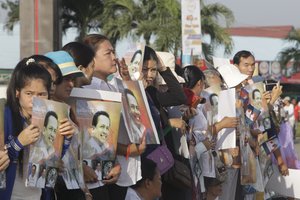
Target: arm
column 175, row 95
column 226, row 122
column 132, row 149
column 28, row 136
column 4, row 160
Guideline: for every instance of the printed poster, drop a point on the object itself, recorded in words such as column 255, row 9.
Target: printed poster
column 134, row 59
column 136, row 112
column 226, row 107
column 46, row 152
column 98, row 113
column 191, row 30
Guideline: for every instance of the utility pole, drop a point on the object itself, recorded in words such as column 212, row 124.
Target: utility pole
column 40, row 29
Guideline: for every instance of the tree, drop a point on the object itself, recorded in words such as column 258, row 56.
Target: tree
column 162, row 20
column 157, row 19
column 82, row 15
column 291, row 53
column 13, row 14
column 210, row 15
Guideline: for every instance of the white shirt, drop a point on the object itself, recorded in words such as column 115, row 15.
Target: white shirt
column 99, row 84
column 132, row 195
column 290, row 112
column 41, row 182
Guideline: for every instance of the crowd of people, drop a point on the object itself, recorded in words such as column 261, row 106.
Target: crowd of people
column 185, row 115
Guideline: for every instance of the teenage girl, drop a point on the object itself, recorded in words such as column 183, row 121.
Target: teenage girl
column 28, row 80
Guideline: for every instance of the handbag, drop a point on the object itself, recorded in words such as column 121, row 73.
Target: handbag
column 179, row 175
column 162, row 157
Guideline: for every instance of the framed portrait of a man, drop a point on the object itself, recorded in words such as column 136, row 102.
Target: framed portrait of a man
column 136, row 112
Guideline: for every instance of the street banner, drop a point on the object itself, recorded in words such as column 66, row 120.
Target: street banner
column 191, row 30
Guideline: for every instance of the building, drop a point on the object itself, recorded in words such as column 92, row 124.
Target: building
column 265, row 43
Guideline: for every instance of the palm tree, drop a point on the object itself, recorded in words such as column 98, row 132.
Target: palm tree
column 161, row 20
column 291, row 53
column 210, row 15
column 13, row 14
column 82, row 15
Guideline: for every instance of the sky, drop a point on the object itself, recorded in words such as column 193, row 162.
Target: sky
column 263, row 12
column 247, row 13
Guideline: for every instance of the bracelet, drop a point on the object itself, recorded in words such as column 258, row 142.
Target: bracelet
column 128, row 152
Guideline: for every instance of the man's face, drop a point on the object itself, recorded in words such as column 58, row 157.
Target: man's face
column 33, row 169
column 257, row 97
column 134, row 111
column 50, row 130
column 102, row 127
column 247, row 66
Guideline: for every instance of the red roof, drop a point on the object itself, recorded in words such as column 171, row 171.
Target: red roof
column 261, row 31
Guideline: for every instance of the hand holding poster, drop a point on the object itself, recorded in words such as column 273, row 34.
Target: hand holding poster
column 134, row 59
column 46, row 152
column 98, row 113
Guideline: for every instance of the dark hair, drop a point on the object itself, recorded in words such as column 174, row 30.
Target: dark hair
column 192, row 75
column 48, row 63
column 148, row 168
column 253, row 92
column 22, row 74
column 134, row 55
column 50, row 113
column 85, row 162
column 94, row 40
column 97, row 114
column 179, row 70
column 149, row 54
column 126, row 92
column 241, row 54
column 81, row 53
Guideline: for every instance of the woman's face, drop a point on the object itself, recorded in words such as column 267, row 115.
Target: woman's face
column 53, row 80
column 149, row 72
column 63, row 90
column 33, row 88
column 105, row 60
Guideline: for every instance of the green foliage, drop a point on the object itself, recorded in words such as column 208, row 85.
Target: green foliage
column 291, row 53
column 82, row 15
column 158, row 20
column 13, row 14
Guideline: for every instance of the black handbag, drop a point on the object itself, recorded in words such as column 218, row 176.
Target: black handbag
column 179, row 175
